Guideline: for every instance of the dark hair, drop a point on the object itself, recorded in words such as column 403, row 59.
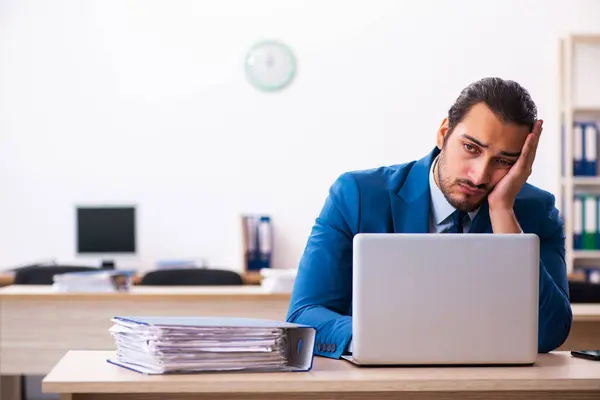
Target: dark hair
column 508, row 100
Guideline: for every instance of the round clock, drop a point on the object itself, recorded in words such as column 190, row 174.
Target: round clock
column 270, row 66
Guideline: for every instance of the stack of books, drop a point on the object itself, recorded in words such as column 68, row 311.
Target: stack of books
column 161, row 345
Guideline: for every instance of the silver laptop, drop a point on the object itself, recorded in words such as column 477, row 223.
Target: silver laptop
column 445, row 299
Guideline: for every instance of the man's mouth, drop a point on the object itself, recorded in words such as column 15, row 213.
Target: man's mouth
column 470, row 190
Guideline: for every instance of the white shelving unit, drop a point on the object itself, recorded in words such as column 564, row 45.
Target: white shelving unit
column 570, row 111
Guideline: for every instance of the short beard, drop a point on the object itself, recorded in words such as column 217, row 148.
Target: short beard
column 444, row 184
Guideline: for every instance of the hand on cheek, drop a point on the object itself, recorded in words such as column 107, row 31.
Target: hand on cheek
column 504, row 193
column 502, row 198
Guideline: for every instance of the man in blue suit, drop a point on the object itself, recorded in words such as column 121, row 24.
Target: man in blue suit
column 473, row 181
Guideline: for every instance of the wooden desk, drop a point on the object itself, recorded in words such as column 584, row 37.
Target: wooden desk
column 85, row 375
column 38, row 326
column 6, row 278
column 585, row 332
column 37, row 323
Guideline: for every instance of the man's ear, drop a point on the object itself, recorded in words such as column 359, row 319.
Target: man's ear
column 442, row 133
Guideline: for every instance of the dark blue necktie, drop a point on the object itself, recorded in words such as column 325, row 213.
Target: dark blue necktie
column 457, row 222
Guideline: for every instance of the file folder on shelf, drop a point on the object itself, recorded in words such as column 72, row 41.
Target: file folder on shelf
column 258, row 239
column 250, row 238
column 590, row 132
column 590, row 220
column 578, row 148
column 163, row 345
column 578, row 223
column 265, row 241
column 585, row 149
column 597, row 246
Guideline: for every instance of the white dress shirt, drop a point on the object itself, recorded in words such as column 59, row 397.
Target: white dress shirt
column 440, row 215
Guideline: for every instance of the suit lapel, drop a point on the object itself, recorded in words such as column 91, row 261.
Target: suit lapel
column 412, row 217
column 411, row 204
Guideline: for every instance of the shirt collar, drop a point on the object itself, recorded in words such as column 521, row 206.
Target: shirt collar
column 440, row 208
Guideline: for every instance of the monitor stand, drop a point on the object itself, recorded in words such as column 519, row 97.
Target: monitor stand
column 108, row 264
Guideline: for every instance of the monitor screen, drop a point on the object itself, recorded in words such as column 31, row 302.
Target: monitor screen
column 106, row 230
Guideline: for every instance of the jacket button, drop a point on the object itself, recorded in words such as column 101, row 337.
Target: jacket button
column 333, row 347
column 319, row 346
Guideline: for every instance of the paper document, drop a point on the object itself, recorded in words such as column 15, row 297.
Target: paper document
column 156, row 345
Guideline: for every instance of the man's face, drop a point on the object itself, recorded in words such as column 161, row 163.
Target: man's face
column 476, row 156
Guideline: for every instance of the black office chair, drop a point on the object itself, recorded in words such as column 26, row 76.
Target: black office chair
column 43, row 275
column 584, row 292
column 192, row 277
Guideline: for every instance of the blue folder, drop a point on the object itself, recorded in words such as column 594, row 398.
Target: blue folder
column 578, row 218
column 265, row 241
column 597, row 222
column 590, row 150
column 578, row 150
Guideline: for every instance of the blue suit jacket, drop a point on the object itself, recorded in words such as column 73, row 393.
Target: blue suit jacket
column 396, row 199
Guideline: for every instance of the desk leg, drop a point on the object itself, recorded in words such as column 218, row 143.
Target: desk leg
column 10, row 387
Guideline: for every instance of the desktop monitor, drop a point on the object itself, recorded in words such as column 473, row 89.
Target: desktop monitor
column 106, row 230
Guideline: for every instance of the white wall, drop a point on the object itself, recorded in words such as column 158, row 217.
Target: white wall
column 146, row 102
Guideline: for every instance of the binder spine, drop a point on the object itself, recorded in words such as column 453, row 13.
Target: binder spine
column 265, row 236
column 589, row 229
column 578, row 148
column 591, row 149
column 259, row 242
column 251, row 237
column 562, row 153
column 597, row 246
column 577, row 223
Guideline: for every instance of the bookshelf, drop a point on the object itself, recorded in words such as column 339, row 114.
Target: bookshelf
column 579, row 188
column 586, row 254
column 582, row 181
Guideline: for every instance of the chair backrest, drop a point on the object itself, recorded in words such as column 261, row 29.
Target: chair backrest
column 191, row 277
column 43, row 275
column 584, row 292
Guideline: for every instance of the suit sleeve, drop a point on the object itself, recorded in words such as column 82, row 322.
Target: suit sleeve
column 555, row 315
column 322, row 294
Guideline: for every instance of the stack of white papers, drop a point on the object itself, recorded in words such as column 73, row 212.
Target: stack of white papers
column 93, row 281
column 158, row 345
column 278, row 280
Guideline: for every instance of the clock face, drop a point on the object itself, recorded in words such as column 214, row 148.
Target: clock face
column 270, row 66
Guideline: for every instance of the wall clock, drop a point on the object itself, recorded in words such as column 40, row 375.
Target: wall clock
column 270, row 66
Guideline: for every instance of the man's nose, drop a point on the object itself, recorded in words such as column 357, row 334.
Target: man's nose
column 479, row 173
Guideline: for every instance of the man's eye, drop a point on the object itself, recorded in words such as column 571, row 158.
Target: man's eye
column 469, row 147
column 506, row 163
